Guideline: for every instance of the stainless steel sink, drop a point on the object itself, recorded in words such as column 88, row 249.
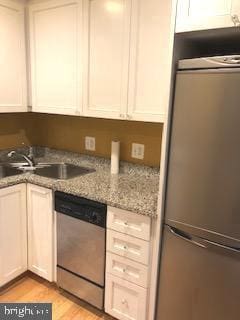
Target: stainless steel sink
column 60, row 171
column 8, row 171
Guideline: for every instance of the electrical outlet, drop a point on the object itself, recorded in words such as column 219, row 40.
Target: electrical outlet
column 90, row 143
column 137, row 150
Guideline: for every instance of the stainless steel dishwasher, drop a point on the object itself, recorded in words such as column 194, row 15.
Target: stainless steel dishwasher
column 81, row 247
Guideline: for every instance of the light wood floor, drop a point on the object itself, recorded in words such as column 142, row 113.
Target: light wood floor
column 65, row 307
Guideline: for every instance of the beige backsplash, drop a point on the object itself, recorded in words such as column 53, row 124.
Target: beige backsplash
column 15, row 129
column 68, row 132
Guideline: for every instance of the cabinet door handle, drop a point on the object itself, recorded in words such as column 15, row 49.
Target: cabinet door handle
column 235, row 20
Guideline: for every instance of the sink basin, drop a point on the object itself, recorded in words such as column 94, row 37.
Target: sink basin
column 8, row 171
column 60, row 171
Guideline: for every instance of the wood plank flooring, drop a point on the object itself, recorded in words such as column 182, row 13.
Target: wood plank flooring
column 65, row 307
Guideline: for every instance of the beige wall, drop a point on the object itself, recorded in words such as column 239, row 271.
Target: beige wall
column 68, row 132
column 15, row 130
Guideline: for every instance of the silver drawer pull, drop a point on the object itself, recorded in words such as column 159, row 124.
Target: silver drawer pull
column 124, row 301
column 234, row 60
column 235, row 20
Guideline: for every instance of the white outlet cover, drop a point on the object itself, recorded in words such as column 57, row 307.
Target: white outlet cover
column 138, row 151
column 90, row 143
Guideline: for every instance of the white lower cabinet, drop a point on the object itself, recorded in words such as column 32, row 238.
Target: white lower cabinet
column 127, row 269
column 135, row 225
column 125, row 300
column 128, row 246
column 40, row 231
column 26, row 232
column 127, row 264
column 13, row 233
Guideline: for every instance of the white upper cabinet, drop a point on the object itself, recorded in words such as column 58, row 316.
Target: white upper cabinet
column 56, row 56
column 98, row 58
column 13, row 83
column 13, row 232
column 207, row 14
column 107, row 32
column 122, row 59
column 145, row 81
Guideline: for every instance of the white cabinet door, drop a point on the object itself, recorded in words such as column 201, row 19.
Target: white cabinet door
column 125, row 300
column 206, row 14
column 128, row 246
column 40, row 231
column 127, row 269
column 56, row 56
column 146, row 75
column 13, row 233
column 107, row 31
column 13, row 89
column 129, row 223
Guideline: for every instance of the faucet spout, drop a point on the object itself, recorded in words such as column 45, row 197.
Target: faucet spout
column 29, row 161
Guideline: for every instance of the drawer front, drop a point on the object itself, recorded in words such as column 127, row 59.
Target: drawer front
column 124, row 300
column 127, row 269
column 127, row 246
column 129, row 223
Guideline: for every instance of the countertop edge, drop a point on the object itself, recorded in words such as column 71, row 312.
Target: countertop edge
column 51, row 184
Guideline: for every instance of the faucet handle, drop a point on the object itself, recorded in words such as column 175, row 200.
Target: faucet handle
column 11, row 153
column 30, row 153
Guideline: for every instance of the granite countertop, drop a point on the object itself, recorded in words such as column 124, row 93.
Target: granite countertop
column 135, row 188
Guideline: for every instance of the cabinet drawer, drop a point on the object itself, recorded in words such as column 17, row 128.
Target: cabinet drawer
column 127, row 269
column 129, row 223
column 124, row 300
column 127, row 246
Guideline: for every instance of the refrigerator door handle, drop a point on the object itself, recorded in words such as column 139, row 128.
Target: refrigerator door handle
column 182, row 236
column 221, row 246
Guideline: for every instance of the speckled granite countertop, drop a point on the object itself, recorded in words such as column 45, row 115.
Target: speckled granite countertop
column 135, row 188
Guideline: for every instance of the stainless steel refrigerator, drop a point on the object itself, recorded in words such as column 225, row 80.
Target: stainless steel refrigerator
column 200, row 262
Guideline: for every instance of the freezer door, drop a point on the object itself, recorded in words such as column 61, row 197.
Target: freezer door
column 203, row 185
column 198, row 279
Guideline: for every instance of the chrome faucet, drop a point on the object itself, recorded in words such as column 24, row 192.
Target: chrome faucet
column 29, row 158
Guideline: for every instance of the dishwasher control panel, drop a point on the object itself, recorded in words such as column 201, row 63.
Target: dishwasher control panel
column 81, row 208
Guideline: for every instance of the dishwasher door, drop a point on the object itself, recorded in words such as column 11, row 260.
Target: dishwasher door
column 81, row 248
column 199, row 279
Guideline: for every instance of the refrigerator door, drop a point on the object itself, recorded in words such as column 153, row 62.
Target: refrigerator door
column 198, row 279
column 203, row 185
